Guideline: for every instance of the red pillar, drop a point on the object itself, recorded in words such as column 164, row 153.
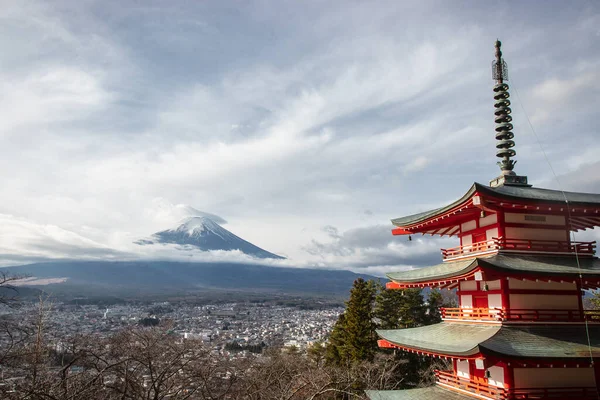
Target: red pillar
column 509, row 379
column 505, row 295
column 501, row 231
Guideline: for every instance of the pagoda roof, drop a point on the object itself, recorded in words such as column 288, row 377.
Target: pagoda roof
column 512, row 341
column 427, row 393
column 445, row 338
column 544, row 341
column 547, row 266
column 514, row 193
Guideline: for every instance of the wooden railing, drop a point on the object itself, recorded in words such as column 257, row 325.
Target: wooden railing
column 520, row 245
column 483, row 314
column 469, row 249
column 542, row 315
column 550, row 246
column 482, row 389
column 485, row 390
column 513, row 315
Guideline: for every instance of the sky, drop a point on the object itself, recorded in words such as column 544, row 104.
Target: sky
column 306, row 126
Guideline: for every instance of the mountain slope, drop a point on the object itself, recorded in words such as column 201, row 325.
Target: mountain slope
column 180, row 277
column 205, row 234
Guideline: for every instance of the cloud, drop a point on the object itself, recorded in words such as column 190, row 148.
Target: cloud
column 24, row 241
column 118, row 119
column 166, row 214
column 369, row 248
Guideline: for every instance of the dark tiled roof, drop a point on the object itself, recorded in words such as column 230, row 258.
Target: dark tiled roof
column 411, row 219
column 428, row 393
column 539, row 341
column 539, row 265
column 444, row 338
column 545, row 195
column 514, row 341
column 508, row 192
column 440, row 271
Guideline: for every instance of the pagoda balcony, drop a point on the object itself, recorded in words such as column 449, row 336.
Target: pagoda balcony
column 497, row 245
column 519, row 315
column 482, row 389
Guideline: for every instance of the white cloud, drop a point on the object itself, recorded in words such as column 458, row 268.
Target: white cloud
column 22, row 241
column 283, row 119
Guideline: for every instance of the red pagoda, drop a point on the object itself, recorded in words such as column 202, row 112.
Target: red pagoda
column 520, row 331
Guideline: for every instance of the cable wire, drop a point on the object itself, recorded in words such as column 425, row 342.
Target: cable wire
column 572, row 233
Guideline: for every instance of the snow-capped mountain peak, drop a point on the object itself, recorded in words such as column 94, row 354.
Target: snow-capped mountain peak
column 197, row 225
column 205, row 234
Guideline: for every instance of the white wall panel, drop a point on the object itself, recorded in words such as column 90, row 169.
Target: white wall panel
column 488, row 220
column 462, row 369
column 466, row 301
column 554, row 377
column 534, row 219
column 527, row 284
column 535, row 234
column 543, row 302
column 496, row 376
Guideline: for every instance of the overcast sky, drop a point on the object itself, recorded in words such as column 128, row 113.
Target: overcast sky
column 305, row 125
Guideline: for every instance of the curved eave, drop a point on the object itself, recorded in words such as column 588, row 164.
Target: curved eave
column 533, row 267
column 526, row 195
column 540, row 195
column 446, row 339
column 405, row 222
column 435, row 273
column 569, row 342
column 525, row 342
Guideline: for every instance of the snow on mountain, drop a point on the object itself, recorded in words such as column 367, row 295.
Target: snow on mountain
column 205, row 234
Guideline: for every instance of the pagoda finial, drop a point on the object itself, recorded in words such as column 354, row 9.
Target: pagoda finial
column 504, row 134
column 503, row 128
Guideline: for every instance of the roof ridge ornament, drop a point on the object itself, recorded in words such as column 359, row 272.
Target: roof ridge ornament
column 504, row 134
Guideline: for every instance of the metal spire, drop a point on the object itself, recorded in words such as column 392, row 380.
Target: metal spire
column 504, row 134
column 503, row 128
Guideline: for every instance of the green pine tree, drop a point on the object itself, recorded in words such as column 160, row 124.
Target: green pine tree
column 361, row 340
column 435, row 300
column 412, row 312
column 353, row 337
column 335, row 349
column 388, row 304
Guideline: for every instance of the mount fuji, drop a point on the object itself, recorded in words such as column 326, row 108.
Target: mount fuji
column 205, row 234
